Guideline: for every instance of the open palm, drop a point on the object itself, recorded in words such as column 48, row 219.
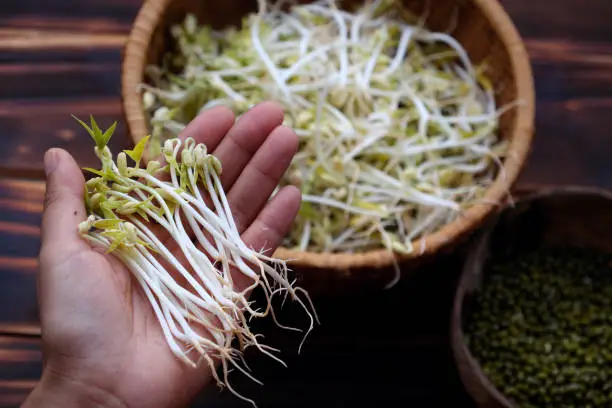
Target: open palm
column 99, row 333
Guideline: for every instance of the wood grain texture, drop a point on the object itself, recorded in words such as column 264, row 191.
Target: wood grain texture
column 81, row 10
column 26, row 140
column 61, row 57
column 20, row 209
column 20, row 368
column 585, row 20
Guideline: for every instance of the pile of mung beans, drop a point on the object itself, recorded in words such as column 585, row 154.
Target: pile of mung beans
column 541, row 328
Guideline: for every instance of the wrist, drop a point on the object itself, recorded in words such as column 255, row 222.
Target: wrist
column 55, row 391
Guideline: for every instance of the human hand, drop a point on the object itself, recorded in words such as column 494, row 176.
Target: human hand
column 102, row 344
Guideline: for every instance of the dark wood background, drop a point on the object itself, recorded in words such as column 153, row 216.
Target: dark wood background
column 62, row 57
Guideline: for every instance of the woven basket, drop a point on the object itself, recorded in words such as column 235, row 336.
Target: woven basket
column 481, row 26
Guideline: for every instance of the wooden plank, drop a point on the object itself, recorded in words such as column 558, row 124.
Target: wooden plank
column 68, row 30
column 586, row 20
column 83, row 9
column 68, row 22
column 44, row 81
column 561, row 69
column 572, row 51
column 36, row 39
column 20, row 209
column 20, row 368
column 25, row 140
column 572, row 144
column 566, row 21
column 566, row 70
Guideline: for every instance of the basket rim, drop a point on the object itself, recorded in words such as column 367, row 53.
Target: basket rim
column 133, row 59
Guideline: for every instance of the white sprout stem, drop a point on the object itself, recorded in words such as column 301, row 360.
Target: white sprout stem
column 264, row 56
column 333, row 203
column 400, row 54
column 190, row 211
column 412, row 195
column 186, row 297
column 162, row 250
column 150, row 279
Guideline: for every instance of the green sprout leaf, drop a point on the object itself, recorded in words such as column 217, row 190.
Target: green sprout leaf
column 138, row 150
column 117, row 237
column 95, row 127
column 106, row 174
column 94, row 171
column 107, row 212
column 93, row 135
column 109, row 132
column 107, row 224
column 100, row 138
column 307, row 211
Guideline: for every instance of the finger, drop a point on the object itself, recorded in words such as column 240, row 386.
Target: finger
column 64, row 206
column 261, row 175
column 274, row 222
column 245, row 138
column 209, row 127
column 268, row 230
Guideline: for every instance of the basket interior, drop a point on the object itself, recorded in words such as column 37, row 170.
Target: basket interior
column 479, row 25
column 463, row 19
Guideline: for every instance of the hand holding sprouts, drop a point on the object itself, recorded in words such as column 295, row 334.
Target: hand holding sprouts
column 398, row 128
column 194, row 279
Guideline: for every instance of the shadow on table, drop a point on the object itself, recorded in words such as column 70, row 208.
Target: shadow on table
column 389, row 347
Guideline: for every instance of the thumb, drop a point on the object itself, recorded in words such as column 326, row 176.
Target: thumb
column 64, row 207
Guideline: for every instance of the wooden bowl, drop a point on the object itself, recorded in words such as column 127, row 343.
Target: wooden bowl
column 483, row 28
column 574, row 216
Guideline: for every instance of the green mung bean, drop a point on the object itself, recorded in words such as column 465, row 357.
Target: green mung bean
column 541, row 327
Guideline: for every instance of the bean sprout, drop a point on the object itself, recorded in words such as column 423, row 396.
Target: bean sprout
column 397, row 126
column 208, row 312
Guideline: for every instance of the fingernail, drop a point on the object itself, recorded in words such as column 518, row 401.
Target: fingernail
column 51, row 161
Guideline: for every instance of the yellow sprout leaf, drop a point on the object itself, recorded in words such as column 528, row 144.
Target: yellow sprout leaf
column 136, row 153
column 307, row 211
column 107, row 223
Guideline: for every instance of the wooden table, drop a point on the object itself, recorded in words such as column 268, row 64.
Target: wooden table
column 61, row 57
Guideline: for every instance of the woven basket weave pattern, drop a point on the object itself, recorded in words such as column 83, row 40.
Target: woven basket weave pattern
column 481, row 26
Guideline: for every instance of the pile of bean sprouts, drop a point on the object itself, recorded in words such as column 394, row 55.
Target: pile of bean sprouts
column 398, row 128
